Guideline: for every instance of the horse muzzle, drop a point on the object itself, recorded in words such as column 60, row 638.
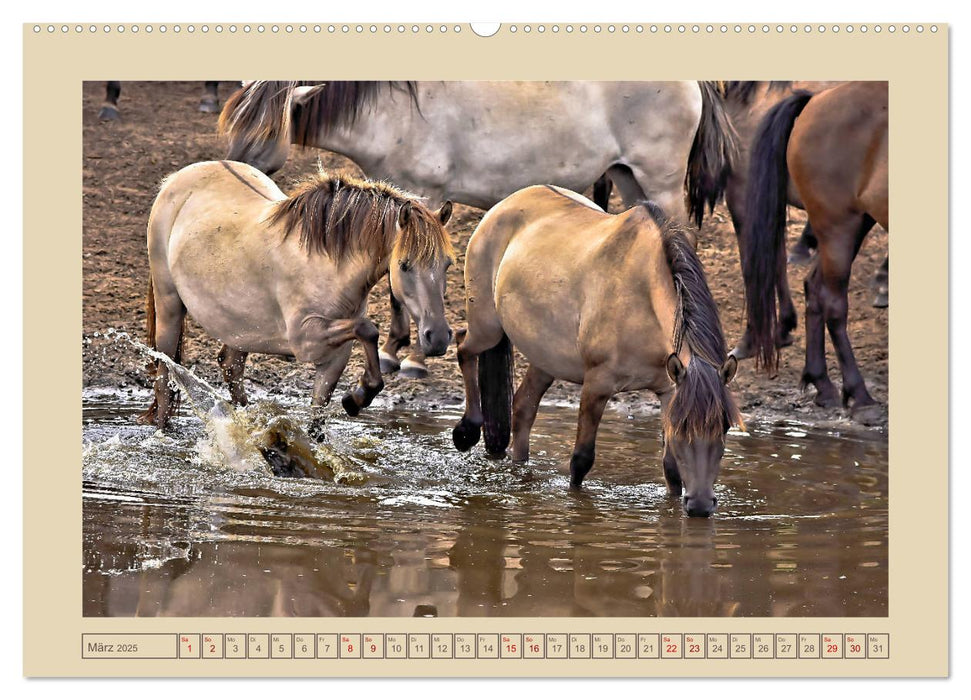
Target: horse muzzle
column 699, row 506
column 435, row 340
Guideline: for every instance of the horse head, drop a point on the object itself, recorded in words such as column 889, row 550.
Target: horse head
column 696, row 421
column 419, row 261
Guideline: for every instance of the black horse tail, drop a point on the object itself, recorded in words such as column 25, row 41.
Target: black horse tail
column 495, row 387
column 713, row 153
column 765, row 223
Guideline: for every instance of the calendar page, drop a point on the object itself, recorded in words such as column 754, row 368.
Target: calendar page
column 486, row 350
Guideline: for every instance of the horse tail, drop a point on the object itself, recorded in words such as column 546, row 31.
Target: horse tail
column 495, row 387
column 256, row 118
column 763, row 235
column 713, row 152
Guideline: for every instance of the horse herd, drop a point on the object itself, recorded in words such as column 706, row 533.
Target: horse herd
column 614, row 302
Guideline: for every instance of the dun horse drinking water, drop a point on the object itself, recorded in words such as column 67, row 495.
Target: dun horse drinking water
column 476, row 142
column 833, row 146
column 615, row 303
column 267, row 273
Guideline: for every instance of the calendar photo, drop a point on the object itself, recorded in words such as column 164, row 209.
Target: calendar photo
column 473, row 349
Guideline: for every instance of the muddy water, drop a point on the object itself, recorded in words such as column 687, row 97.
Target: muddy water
column 801, row 526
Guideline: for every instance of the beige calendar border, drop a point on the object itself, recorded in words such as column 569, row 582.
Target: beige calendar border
column 916, row 66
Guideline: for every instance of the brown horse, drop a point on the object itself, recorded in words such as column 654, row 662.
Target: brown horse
column 746, row 103
column 615, row 303
column 833, row 147
column 289, row 276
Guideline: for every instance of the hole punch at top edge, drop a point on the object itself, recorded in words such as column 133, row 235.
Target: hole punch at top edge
column 485, row 29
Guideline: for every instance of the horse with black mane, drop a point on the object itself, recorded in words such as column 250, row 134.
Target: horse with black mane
column 611, row 302
column 832, row 149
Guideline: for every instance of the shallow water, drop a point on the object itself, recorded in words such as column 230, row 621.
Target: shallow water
column 800, row 530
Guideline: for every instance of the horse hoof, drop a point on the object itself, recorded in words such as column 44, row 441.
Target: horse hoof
column 388, row 363
column 465, row 435
column 108, row 114
column 868, row 414
column 800, row 255
column 742, row 351
column 783, row 342
column 412, row 370
column 209, row 106
column 350, row 405
column 827, row 400
column 882, row 300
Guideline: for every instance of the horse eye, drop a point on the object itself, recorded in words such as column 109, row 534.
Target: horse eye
column 404, row 265
column 449, row 263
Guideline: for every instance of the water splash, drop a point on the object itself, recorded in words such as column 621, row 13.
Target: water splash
column 261, row 437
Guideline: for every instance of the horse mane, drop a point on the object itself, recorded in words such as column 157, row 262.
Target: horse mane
column 742, row 91
column 337, row 214
column 337, row 104
column 702, row 404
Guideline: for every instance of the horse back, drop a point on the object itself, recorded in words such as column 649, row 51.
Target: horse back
column 574, row 287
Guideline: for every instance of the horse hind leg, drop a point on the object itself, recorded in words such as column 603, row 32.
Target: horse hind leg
column 801, row 252
column 109, row 108
column 169, row 318
column 836, row 267
column 210, row 98
column 593, row 400
column 472, row 342
column 881, row 283
column 233, row 363
column 814, row 372
column 525, row 404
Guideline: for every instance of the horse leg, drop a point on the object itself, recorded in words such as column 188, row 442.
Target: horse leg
column 836, row 264
column 169, row 319
column 370, row 383
column 593, row 400
column 787, row 310
column 882, row 284
column 814, row 371
column 327, row 374
column 210, row 97
column 524, row 406
column 802, row 251
column 399, row 336
column 472, row 342
column 109, row 109
column 233, row 363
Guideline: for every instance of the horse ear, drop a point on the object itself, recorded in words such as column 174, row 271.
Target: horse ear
column 404, row 214
column 675, row 368
column 729, row 369
column 445, row 213
column 299, row 94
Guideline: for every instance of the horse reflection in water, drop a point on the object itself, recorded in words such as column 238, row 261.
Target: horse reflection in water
column 268, row 580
